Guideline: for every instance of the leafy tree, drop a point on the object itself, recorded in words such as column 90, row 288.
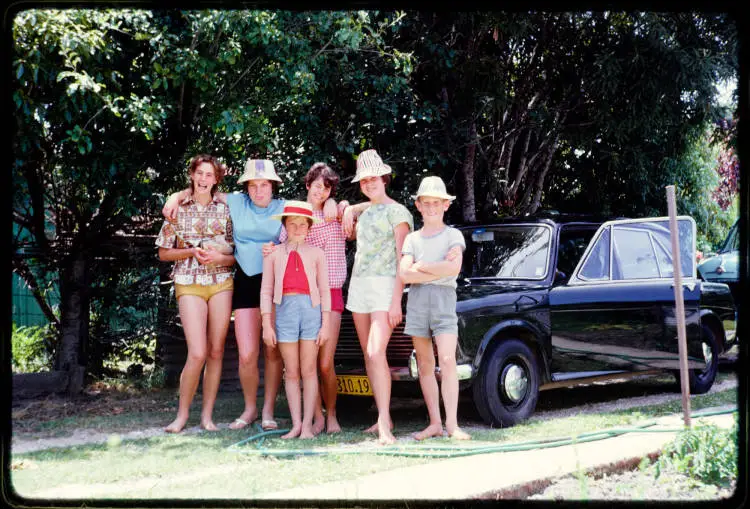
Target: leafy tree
column 728, row 167
column 111, row 104
column 522, row 95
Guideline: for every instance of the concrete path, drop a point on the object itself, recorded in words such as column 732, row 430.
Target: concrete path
column 494, row 473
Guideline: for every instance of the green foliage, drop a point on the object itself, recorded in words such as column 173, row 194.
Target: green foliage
column 31, row 348
column 707, row 453
column 590, row 112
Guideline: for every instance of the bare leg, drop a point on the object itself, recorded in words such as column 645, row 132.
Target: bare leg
column 446, row 344
column 290, row 355
column 379, row 373
column 328, row 374
column 362, row 323
column 308, row 357
column 272, row 373
column 193, row 315
column 429, row 385
column 219, row 313
column 247, row 332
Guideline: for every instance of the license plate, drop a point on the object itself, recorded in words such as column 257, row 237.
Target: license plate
column 353, row 384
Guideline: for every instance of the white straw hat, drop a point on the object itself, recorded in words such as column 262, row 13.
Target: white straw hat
column 433, row 187
column 369, row 164
column 256, row 169
column 297, row 208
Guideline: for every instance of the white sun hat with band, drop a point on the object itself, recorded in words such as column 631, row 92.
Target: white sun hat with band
column 433, row 187
column 299, row 209
column 369, row 164
column 256, row 169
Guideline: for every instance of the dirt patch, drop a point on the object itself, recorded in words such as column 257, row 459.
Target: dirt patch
column 96, row 400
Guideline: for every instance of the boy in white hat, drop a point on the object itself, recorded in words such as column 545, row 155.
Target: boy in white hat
column 295, row 290
column 431, row 260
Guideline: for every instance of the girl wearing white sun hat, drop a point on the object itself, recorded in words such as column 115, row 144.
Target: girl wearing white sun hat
column 375, row 289
column 255, row 228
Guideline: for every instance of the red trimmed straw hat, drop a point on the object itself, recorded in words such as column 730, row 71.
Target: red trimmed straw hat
column 299, row 209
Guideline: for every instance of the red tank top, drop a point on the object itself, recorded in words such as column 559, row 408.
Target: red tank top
column 295, row 279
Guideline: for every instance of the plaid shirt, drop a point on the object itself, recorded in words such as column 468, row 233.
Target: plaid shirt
column 328, row 236
column 194, row 224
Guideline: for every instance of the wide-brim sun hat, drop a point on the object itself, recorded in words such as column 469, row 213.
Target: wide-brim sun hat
column 433, row 187
column 299, row 209
column 257, row 169
column 369, row 164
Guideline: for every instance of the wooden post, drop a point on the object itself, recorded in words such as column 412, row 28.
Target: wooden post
column 679, row 304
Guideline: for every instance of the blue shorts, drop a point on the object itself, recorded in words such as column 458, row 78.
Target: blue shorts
column 297, row 319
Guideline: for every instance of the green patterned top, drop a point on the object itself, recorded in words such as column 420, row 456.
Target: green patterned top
column 376, row 242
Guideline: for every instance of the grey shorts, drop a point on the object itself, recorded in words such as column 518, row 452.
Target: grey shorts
column 431, row 310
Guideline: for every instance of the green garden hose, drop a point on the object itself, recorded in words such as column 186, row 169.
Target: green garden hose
column 452, row 451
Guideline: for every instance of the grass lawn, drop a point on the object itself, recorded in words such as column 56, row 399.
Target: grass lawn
column 201, row 465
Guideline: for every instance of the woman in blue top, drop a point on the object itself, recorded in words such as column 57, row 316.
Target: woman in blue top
column 254, row 227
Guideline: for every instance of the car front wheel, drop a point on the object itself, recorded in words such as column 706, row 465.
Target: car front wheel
column 507, row 386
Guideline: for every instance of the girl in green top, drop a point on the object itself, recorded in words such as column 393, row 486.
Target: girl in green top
column 375, row 288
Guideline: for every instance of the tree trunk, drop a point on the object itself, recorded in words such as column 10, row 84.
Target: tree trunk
column 469, row 210
column 74, row 320
column 165, row 316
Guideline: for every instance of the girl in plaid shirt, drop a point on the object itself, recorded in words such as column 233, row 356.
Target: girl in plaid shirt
column 201, row 245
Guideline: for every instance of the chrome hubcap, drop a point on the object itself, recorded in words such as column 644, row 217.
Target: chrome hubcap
column 514, row 382
column 707, row 355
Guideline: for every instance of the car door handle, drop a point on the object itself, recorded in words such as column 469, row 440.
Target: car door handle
column 689, row 286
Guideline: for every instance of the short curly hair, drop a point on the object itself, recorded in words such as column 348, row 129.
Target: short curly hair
column 219, row 169
column 330, row 177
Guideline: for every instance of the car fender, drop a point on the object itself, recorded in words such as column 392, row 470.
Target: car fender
column 519, row 329
column 712, row 320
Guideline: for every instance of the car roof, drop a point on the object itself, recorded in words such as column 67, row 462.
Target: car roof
column 547, row 218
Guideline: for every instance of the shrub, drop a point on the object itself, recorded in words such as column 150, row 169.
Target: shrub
column 31, row 349
column 707, row 453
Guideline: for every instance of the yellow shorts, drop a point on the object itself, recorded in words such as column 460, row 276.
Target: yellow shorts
column 203, row 291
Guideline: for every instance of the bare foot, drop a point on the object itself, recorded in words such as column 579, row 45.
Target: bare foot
column 318, row 425
column 332, row 425
column 209, row 425
column 176, row 426
column 459, row 434
column 433, row 430
column 247, row 417
column 385, row 437
column 293, row 433
column 307, row 432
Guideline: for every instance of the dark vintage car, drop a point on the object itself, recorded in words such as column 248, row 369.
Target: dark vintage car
column 544, row 303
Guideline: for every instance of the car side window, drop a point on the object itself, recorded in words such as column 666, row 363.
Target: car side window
column 573, row 243
column 596, row 266
column 634, row 254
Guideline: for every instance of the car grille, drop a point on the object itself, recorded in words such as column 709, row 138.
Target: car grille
column 349, row 353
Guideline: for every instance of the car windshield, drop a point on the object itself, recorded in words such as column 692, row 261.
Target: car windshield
column 508, row 252
column 733, row 240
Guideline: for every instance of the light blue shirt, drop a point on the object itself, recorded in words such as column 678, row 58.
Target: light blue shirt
column 433, row 248
column 253, row 227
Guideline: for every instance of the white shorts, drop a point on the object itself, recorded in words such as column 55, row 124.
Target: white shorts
column 371, row 293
